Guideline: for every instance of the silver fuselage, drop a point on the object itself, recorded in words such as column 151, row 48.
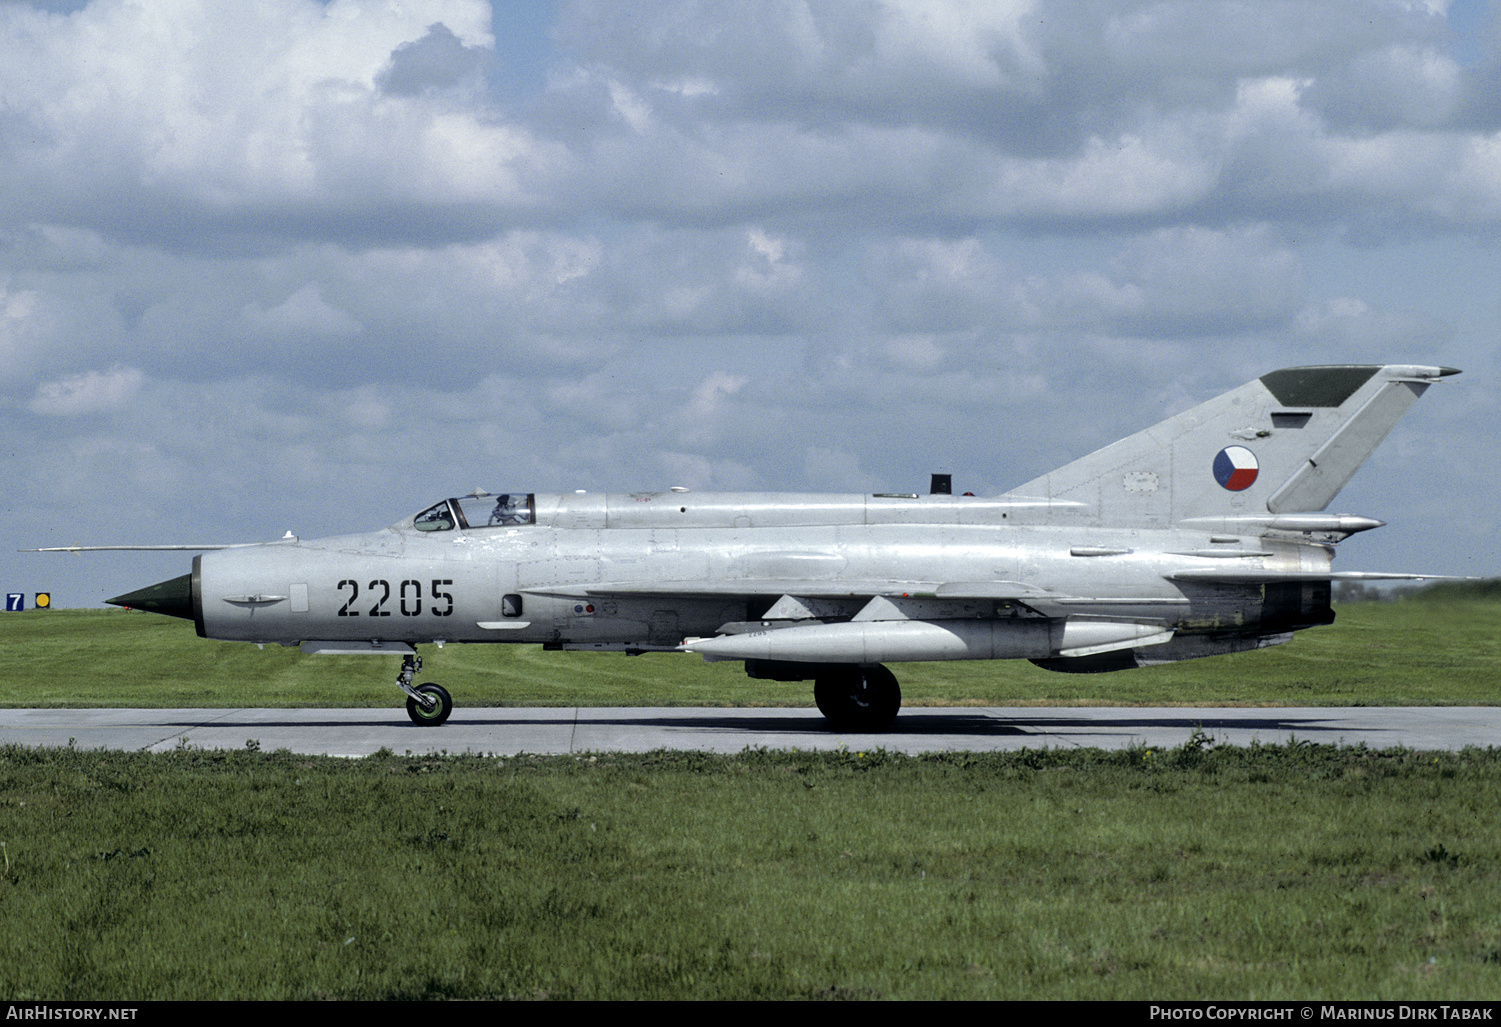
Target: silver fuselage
column 652, row 570
column 1202, row 535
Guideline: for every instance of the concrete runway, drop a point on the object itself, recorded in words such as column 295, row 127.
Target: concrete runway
column 506, row 731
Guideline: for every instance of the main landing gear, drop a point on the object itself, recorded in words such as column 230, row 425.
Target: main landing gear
column 857, row 698
column 853, row 696
column 428, row 705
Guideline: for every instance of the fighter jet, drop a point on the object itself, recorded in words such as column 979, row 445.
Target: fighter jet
column 1200, row 536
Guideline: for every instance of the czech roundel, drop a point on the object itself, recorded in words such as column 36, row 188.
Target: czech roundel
column 1235, row 468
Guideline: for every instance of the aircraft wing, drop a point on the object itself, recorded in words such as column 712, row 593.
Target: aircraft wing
column 106, row 549
column 1253, row 577
column 287, row 539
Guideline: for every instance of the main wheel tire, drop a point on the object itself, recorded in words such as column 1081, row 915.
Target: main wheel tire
column 858, row 698
column 442, row 706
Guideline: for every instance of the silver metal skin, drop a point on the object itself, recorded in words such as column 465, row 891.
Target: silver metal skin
column 1202, row 535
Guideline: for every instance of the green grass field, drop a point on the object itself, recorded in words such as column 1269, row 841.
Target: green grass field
column 1416, row 652
column 1295, row 872
column 1270, row 873
column 1264, row 873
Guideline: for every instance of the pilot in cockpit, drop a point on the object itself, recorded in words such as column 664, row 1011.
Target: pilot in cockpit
column 509, row 510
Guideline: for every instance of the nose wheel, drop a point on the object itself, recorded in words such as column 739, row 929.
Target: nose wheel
column 428, row 705
column 438, row 705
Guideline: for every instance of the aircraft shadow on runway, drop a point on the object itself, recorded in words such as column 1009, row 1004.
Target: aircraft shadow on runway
column 804, row 722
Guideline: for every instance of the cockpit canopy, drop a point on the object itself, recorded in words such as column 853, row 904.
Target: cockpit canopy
column 481, row 510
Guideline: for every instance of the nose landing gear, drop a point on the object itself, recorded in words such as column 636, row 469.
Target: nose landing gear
column 428, row 705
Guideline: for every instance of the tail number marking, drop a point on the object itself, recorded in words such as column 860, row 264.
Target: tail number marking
column 409, row 597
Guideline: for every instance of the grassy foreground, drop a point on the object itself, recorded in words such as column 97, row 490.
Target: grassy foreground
column 1445, row 649
column 1200, row 872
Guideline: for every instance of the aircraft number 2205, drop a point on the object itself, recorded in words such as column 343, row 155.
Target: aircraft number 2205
column 408, row 598
column 1221, row 504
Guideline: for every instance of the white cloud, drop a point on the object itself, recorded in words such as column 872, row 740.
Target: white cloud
column 219, row 106
column 835, row 470
column 95, row 392
column 1169, row 282
column 16, row 310
column 439, row 60
column 799, row 244
column 305, row 312
column 768, row 269
column 1353, row 326
column 977, row 43
column 1195, row 279
column 1397, row 85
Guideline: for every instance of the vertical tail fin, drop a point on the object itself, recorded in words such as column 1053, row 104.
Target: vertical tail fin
column 1282, row 444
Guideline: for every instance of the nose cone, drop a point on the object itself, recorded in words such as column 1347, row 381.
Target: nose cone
column 173, row 598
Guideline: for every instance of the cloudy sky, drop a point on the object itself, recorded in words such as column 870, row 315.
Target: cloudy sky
column 284, row 264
